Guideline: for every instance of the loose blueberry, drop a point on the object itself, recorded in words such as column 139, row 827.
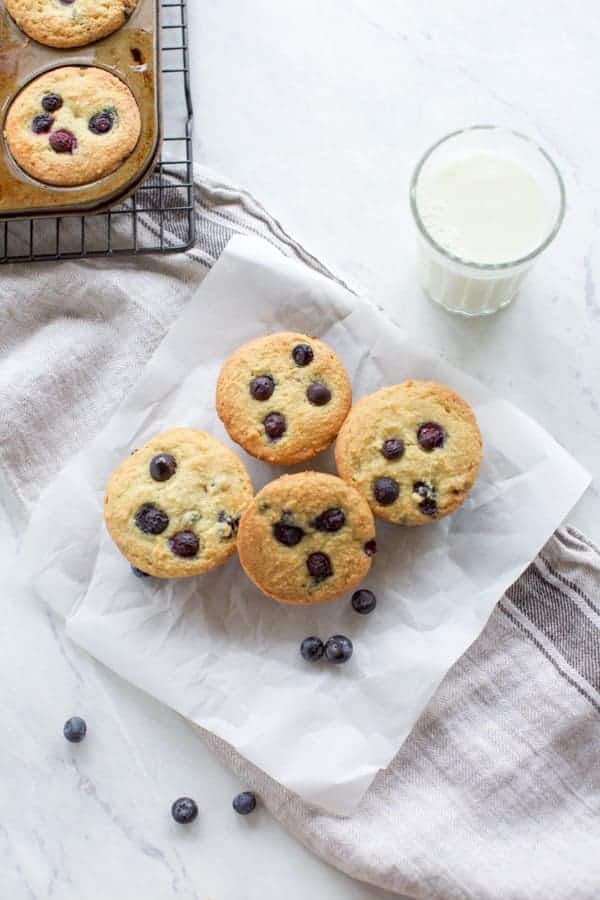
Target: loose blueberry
column 262, row 387
column 51, row 102
column 318, row 394
column 101, row 122
column 75, row 730
column 63, row 141
column 184, row 544
column 138, row 572
column 338, row 649
column 162, row 466
column 319, row 566
column 370, row 547
column 331, row 520
column 386, row 491
column 244, row 803
column 289, row 535
column 151, row 520
column 431, row 436
column 392, row 448
column 312, row 648
column 275, row 425
column 41, row 124
column 303, row 354
column 364, row 601
column 184, row 810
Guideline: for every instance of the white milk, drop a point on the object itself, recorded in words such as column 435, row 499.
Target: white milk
column 483, row 209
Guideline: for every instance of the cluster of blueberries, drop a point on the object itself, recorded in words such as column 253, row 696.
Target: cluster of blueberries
column 263, row 386
column 184, row 810
column 386, row 491
column 331, row 520
column 318, row 564
column 338, row 648
column 152, row 520
column 63, row 141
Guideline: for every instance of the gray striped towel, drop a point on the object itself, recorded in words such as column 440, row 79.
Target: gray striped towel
column 496, row 792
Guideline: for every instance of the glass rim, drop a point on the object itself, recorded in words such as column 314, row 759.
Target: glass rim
column 487, row 267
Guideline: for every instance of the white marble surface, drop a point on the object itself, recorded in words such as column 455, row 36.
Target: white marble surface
column 320, row 109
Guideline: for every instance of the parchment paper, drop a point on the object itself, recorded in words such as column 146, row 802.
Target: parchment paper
column 228, row 658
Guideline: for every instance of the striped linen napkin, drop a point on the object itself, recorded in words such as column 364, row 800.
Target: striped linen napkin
column 496, row 794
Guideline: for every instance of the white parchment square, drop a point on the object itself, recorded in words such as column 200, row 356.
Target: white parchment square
column 218, row 651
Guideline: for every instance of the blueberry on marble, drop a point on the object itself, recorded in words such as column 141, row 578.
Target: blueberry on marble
column 138, row 572
column 51, row 102
column 262, row 387
column 184, row 544
column 318, row 394
column 163, row 466
column 364, row 601
column 63, row 141
column 386, row 491
column 319, row 566
column 184, row 810
column 41, row 124
column 338, row 649
column 431, row 436
column 312, row 648
column 303, row 354
column 331, row 520
column 151, row 520
column 370, row 547
column 275, row 425
column 244, row 803
column 393, row 448
column 75, row 729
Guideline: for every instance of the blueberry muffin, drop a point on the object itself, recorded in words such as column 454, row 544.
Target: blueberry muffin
column 72, row 125
column 413, row 450
column 307, row 538
column 283, row 397
column 173, row 506
column 69, row 23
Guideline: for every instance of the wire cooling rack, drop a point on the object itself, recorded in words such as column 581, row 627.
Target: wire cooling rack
column 159, row 217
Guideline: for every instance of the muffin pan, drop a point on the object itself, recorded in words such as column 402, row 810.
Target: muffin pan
column 131, row 54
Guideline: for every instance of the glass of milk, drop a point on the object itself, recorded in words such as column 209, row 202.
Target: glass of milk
column 486, row 201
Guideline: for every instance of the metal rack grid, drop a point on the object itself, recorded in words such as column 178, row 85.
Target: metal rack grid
column 159, row 216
